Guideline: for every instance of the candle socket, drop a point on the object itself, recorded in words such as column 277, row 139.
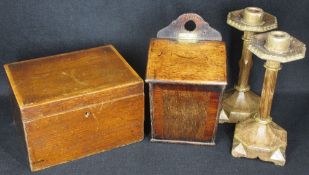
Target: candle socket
column 240, row 103
column 260, row 137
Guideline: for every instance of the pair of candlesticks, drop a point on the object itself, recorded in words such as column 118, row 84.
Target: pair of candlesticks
column 256, row 135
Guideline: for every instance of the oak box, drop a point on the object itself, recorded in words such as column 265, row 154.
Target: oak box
column 186, row 81
column 76, row 104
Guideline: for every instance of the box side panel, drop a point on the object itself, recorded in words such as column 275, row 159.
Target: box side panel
column 184, row 112
column 76, row 102
column 21, row 141
column 15, row 113
column 86, row 131
column 16, row 116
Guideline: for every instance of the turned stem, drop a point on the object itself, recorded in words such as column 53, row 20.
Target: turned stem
column 269, row 84
column 245, row 63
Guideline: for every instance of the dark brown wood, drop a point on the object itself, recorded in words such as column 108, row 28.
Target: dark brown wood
column 76, row 104
column 184, row 112
column 186, row 81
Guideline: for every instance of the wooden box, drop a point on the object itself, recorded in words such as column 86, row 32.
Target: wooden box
column 76, row 104
column 186, row 81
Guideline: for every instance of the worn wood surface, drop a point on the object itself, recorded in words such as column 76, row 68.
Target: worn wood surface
column 184, row 112
column 82, row 132
column 76, row 104
column 62, row 76
column 171, row 61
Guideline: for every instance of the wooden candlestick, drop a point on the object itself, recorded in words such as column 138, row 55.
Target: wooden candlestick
column 260, row 136
column 241, row 103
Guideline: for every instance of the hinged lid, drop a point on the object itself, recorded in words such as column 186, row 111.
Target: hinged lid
column 187, row 56
column 87, row 75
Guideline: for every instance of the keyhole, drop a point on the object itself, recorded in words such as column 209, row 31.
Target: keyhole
column 190, row 25
column 87, row 114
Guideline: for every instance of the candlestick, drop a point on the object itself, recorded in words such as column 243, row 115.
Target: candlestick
column 241, row 103
column 260, row 136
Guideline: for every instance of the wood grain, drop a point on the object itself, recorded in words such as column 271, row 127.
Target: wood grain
column 46, row 109
column 76, row 104
column 66, row 75
column 71, row 135
column 170, row 61
column 186, row 81
column 184, row 112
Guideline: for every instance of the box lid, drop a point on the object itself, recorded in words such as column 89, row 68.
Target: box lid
column 172, row 61
column 46, row 80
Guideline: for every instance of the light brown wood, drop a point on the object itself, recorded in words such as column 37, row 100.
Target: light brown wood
column 170, row 61
column 76, row 104
column 85, row 131
column 47, row 109
column 62, row 76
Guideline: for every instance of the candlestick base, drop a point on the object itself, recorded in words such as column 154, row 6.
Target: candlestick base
column 255, row 138
column 238, row 105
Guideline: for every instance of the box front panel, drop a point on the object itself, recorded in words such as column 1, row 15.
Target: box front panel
column 89, row 130
column 184, row 112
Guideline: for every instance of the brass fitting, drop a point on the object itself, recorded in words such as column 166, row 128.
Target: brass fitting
column 277, row 46
column 252, row 19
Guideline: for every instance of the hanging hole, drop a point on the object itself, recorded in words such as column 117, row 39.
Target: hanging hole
column 190, row 25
